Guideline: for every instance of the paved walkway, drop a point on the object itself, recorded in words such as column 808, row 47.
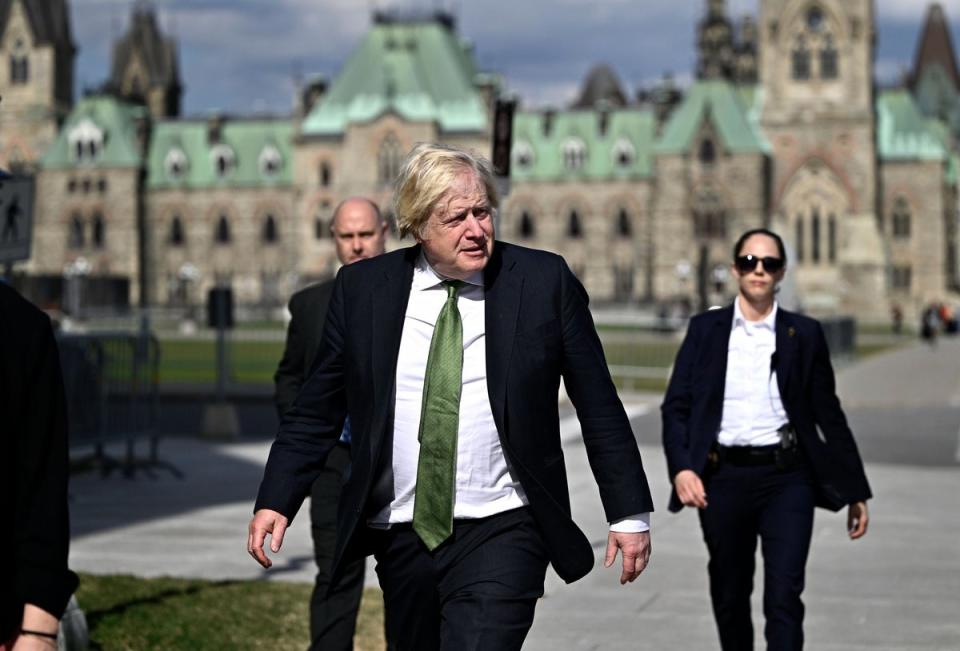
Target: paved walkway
column 899, row 588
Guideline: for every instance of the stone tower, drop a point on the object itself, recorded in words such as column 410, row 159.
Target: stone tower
column 818, row 115
column 36, row 75
column 715, row 45
column 145, row 69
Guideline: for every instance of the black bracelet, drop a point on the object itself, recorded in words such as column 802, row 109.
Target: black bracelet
column 49, row 636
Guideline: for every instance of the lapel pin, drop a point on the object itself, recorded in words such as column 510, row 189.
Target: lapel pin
column 791, row 331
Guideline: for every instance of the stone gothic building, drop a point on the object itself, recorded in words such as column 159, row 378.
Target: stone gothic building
column 642, row 192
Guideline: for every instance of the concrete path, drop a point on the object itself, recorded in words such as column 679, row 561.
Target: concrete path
column 899, row 588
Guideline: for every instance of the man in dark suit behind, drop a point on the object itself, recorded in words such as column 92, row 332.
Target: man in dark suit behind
column 751, row 387
column 447, row 357
column 359, row 232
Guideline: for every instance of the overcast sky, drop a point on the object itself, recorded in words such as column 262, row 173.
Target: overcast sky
column 241, row 56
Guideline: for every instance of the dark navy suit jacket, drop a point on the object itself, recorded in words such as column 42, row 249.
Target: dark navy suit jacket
column 538, row 328
column 693, row 404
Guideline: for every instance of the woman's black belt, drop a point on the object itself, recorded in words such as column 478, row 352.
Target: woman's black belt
column 748, row 455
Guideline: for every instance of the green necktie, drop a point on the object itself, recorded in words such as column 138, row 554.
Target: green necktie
column 439, row 420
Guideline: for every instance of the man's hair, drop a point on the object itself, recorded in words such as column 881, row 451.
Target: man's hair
column 372, row 203
column 426, row 176
column 761, row 231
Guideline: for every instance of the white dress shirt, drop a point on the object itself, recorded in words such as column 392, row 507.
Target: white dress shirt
column 485, row 485
column 752, row 409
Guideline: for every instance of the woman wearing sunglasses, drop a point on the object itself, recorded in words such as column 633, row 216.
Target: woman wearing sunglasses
column 751, row 387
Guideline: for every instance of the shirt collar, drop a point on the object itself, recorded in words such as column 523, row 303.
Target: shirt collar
column 426, row 277
column 769, row 321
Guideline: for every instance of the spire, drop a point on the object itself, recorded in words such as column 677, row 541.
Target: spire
column 936, row 47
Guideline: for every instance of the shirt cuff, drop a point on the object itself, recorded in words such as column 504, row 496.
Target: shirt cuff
column 632, row 524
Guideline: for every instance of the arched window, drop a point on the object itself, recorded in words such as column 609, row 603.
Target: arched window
column 326, row 174
column 708, row 152
column 574, row 228
column 527, row 228
column 319, row 228
column 99, row 231
column 222, row 235
column 815, row 236
column 801, row 251
column 77, row 237
column 901, row 218
column 19, row 64
column 389, row 159
column 624, row 227
column 829, row 68
column 176, row 232
column 709, row 216
column 832, row 238
column 102, row 185
column 19, row 69
column 574, row 154
column 270, row 230
column 800, row 58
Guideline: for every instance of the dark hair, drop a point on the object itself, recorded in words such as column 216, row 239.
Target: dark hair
column 761, row 231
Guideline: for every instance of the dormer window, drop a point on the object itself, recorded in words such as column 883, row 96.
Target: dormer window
column 224, row 160
column 574, row 154
column 176, row 163
column 523, row 155
column 86, row 141
column 624, row 153
column 270, row 161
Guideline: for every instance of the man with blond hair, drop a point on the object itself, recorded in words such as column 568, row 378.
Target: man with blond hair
column 447, row 357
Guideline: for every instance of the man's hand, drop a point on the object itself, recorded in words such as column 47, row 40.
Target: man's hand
column 857, row 520
column 690, row 489
column 636, row 553
column 265, row 522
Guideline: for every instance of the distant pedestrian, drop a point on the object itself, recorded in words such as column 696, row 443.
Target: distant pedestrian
column 930, row 324
column 752, row 386
column 896, row 319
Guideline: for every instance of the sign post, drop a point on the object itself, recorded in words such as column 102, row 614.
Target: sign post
column 16, row 219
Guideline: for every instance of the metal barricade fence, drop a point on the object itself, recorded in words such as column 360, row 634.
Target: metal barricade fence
column 111, row 383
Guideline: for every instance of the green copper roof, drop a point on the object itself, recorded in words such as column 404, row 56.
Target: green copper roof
column 724, row 105
column 260, row 149
column 108, row 122
column 621, row 149
column 936, row 95
column 419, row 70
column 904, row 133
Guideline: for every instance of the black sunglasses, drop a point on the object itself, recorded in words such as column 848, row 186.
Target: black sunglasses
column 747, row 263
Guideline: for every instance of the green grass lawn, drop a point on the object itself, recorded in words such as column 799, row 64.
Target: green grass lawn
column 254, row 362
column 195, row 361
column 126, row 612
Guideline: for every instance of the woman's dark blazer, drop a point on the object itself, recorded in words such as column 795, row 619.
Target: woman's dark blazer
column 33, row 466
column 693, row 404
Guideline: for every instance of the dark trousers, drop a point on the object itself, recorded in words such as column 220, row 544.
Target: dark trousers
column 478, row 590
column 745, row 503
column 333, row 608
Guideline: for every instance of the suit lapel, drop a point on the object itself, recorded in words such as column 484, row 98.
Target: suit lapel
column 717, row 348
column 786, row 350
column 503, row 287
column 388, row 305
